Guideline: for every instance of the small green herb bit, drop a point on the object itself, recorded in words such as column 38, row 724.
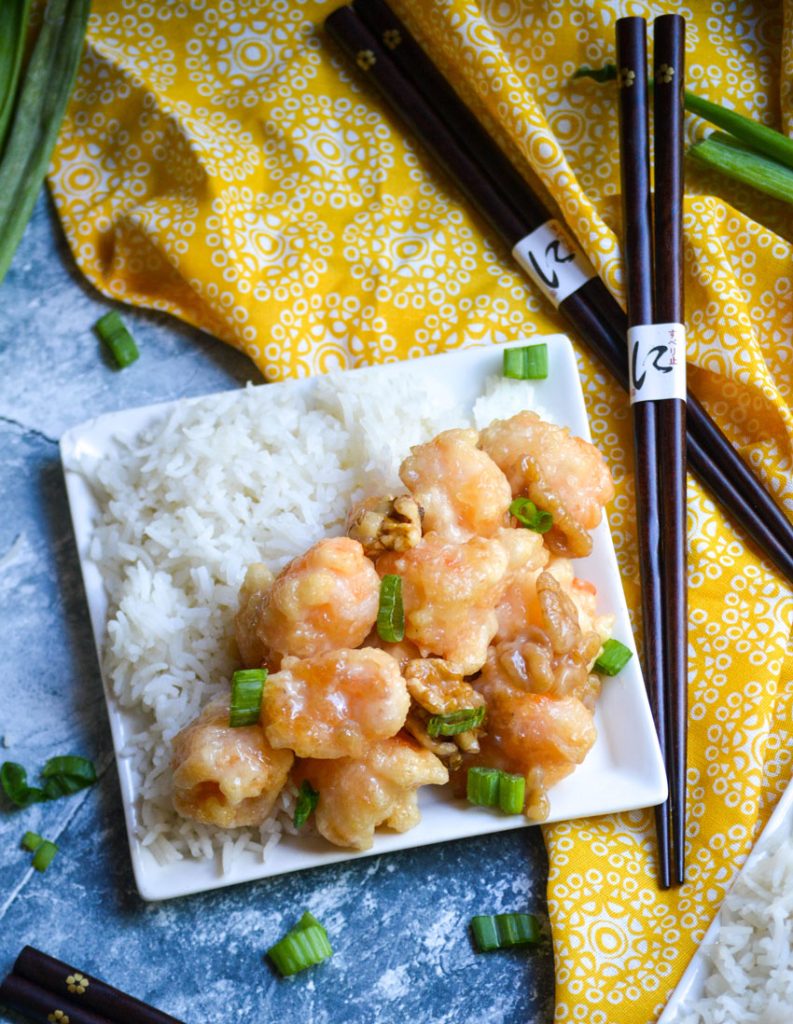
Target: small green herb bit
column 527, row 363
column 613, row 658
column 247, row 687
column 307, row 800
column 14, row 780
column 391, row 614
column 528, row 515
column 501, row 931
column 511, row 793
column 31, row 841
column 66, row 775
column 455, row 722
column 113, row 332
column 304, row 946
column 482, row 786
column 44, row 855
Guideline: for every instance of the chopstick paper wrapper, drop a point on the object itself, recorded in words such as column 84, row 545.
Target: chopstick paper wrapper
column 79, row 992
column 443, row 125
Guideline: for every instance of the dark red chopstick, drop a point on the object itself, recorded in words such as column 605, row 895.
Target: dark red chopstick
column 43, row 980
column 591, row 309
column 669, row 75
column 651, row 520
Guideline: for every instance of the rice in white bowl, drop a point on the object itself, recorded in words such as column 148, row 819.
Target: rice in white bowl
column 255, row 475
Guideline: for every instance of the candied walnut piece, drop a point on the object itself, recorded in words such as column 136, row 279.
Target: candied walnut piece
column 438, row 687
column 385, row 524
column 224, row 776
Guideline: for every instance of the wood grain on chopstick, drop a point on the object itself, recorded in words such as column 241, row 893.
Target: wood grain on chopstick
column 638, row 253
column 591, row 310
column 669, row 64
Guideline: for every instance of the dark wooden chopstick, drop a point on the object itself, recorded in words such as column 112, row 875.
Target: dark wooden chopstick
column 638, row 258
column 41, row 1006
column 669, row 63
column 591, row 310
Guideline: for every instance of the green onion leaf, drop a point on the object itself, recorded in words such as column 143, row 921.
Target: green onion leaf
column 391, row 614
column 31, row 841
column 304, row 946
column 307, row 800
column 66, row 775
column 528, row 363
column 608, row 73
column 613, row 658
column 14, row 780
column 456, row 721
column 511, row 793
column 14, row 18
column 44, row 855
column 113, row 332
column 247, row 687
column 528, row 515
column 725, row 154
column 501, row 931
column 482, row 786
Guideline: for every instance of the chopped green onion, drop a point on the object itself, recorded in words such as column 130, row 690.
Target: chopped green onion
column 528, row 515
column 613, row 658
column 307, row 800
column 391, row 614
column 44, row 855
column 501, row 931
column 456, row 721
column 528, row 363
column 247, row 687
column 14, row 780
column 723, row 153
column 491, row 787
column 511, row 793
column 67, row 775
column 482, row 786
column 304, row 946
column 41, row 96
column 113, row 332
column 31, row 841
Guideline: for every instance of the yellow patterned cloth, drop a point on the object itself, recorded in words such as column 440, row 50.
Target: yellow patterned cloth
column 221, row 161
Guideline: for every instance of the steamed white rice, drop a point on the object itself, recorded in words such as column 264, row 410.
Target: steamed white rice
column 256, row 475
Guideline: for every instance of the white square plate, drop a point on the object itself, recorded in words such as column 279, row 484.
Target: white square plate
column 623, row 771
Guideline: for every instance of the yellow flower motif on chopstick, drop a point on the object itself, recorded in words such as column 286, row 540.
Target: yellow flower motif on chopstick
column 626, row 78
column 665, row 74
column 58, row 1017
column 392, row 38
column 77, row 983
column 365, row 60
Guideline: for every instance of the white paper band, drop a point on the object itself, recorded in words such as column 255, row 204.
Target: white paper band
column 553, row 261
column 657, row 359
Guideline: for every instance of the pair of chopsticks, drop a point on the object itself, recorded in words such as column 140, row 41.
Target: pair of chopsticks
column 48, row 991
column 656, row 341
column 374, row 39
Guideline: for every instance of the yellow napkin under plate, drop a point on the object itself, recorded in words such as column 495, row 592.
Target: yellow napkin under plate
column 221, row 161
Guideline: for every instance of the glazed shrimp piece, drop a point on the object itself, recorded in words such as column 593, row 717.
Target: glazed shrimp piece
column 379, row 788
column 462, row 491
column 334, row 705
column 518, row 604
column 449, row 592
column 560, row 473
column 224, row 776
column 325, row 599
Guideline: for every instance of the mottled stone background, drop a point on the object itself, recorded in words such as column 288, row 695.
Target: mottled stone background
column 398, row 924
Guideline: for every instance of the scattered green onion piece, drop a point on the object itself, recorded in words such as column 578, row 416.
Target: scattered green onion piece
column 41, row 96
column 14, row 780
column 482, row 786
column 501, row 931
column 31, row 841
column 528, row 515
column 304, row 946
column 247, row 687
column 456, row 721
column 307, row 800
column 527, row 363
column 613, row 658
column 723, row 153
column 66, row 775
column 391, row 614
column 511, row 793
column 44, row 855
column 113, row 332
